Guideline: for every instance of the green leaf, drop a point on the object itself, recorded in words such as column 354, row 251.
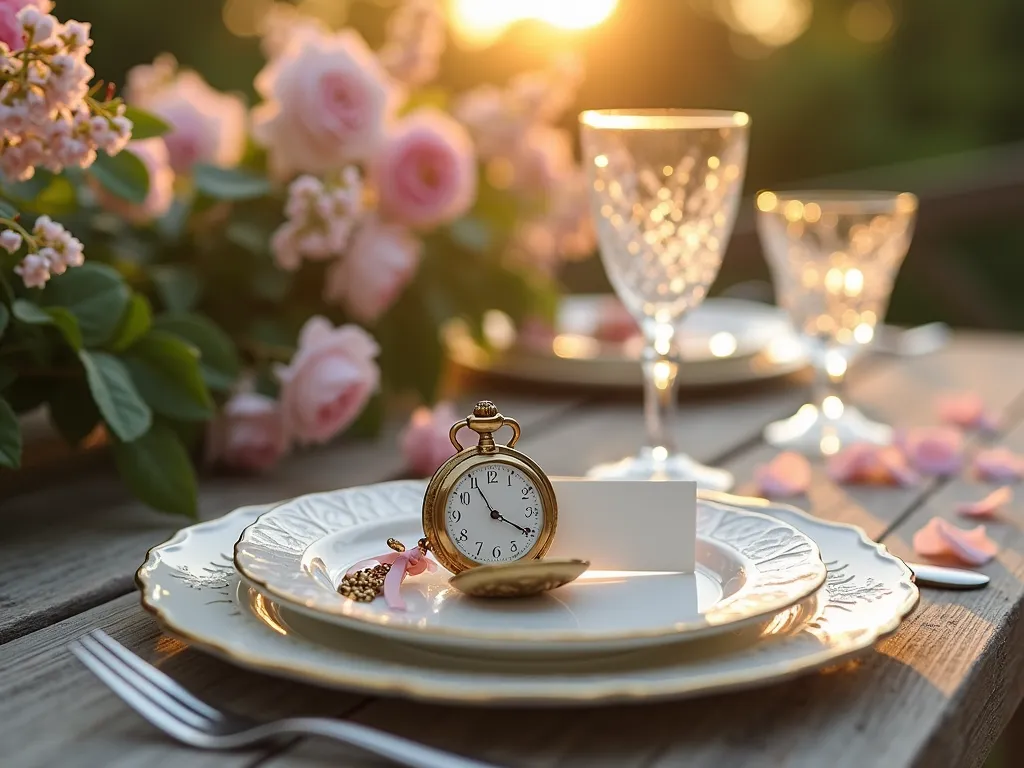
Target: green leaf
column 137, row 319
column 10, row 437
column 120, row 403
column 177, row 287
column 5, row 318
column 7, row 210
column 229, row 183
column 95, row 294
column 218, row 358
column 472, row 234
column 27, row 191
column 30, row 312
column 8, row 373
column 166, row 372
column 73, row 411
column 61, row 318
column 67, row 324
column 57, row 198
column 157, row 469
column 145, row 125
column 123, row 175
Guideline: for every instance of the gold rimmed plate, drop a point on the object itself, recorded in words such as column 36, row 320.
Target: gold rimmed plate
column 189, row 584
column 723, row 341
column 749, row 567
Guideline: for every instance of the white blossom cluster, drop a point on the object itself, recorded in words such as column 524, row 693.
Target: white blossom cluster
column 53, row 251
column 320, row 219
column 46, row 118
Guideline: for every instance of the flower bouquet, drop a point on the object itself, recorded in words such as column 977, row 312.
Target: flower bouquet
column 194, row 279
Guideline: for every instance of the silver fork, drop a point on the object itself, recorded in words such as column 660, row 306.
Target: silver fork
column 182, row 716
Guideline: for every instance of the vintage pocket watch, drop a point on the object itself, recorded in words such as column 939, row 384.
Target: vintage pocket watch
column 489, row 503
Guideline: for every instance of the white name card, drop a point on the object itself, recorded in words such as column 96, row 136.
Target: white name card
column 626, row 525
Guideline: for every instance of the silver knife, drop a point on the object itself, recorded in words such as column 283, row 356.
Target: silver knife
column 947, row 578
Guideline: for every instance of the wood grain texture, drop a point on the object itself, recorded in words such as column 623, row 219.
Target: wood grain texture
column 70, row 546
column 54, row 712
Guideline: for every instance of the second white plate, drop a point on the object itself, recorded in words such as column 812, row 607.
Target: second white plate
column 750, row 567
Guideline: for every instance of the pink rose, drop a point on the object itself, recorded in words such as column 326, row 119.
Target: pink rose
column 381, row 260
column 425, row 443
column 154, row 156
column 328, row 381
column 10, row 29
column 327, row 100
column 425, row 172
column 207, row 126
column 249, row 433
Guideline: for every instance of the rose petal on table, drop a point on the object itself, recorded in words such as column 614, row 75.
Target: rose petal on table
column 934, row 450
column 999, row 465
column 939, row 538
column 871, row 465
column 966, row 410
column 987, row 506
column 788, row 474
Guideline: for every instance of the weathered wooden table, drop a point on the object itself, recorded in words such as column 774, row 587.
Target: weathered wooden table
column 937, row 693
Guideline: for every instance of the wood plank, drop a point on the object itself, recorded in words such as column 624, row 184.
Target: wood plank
column 72, row 546
column 53, row 711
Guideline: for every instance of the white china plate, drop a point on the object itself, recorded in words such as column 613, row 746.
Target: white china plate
column 750, row 567
column 723, row 341
column 190, row 585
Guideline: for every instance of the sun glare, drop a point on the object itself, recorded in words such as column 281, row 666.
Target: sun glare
column 481, row 22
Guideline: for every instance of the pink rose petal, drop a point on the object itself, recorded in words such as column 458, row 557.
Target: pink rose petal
column 939, row 538
column 999, row 465
column 934, row 450
column 987, row 506
column 871, row 465
column 967, row 411
column 788, row 474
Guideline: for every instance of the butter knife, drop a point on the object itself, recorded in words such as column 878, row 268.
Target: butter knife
column 947, row 578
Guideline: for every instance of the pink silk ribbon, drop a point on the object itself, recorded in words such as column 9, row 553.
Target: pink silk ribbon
column 411, row 562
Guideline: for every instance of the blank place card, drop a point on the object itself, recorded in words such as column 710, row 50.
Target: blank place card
column 627, row 525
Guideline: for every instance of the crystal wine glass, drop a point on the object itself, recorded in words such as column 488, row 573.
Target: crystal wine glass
column 834, row 257
column 664, row 187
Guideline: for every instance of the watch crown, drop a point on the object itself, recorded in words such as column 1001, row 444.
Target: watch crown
column 485, row 409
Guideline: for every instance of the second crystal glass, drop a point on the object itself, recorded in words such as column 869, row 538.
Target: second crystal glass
column 664, row 186
column 834, row 256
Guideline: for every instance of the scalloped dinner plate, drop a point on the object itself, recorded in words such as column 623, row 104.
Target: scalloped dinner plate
column 749, row 567
column 190, row 585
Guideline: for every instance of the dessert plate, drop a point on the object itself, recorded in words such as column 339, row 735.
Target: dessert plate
column 749, row 567
column 723, row 341
column 190, row 585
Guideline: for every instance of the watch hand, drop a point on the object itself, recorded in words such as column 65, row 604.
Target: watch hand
column 525, row 531
column 493, row 513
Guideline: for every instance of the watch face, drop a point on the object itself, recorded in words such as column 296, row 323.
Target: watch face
column 494, row 513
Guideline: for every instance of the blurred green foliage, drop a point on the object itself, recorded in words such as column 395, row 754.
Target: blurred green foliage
column 944, row 81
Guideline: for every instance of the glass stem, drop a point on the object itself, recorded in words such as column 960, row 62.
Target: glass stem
column 661, row 367
column 830, row 378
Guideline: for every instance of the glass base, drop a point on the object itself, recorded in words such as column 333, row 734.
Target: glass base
column 812, row 432
column 677, row 466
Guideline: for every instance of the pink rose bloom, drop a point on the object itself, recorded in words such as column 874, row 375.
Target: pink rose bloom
column 10, row 29
column 207, row 126
column 249, row 433
column 326, row 104
column 154, row 155
column 425, row 172
column 328, row 381
column 380, row 261
column 425, row 443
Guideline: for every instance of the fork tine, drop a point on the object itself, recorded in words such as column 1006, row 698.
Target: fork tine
column 164, row 702
column 155, row 676
column 131, row 696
